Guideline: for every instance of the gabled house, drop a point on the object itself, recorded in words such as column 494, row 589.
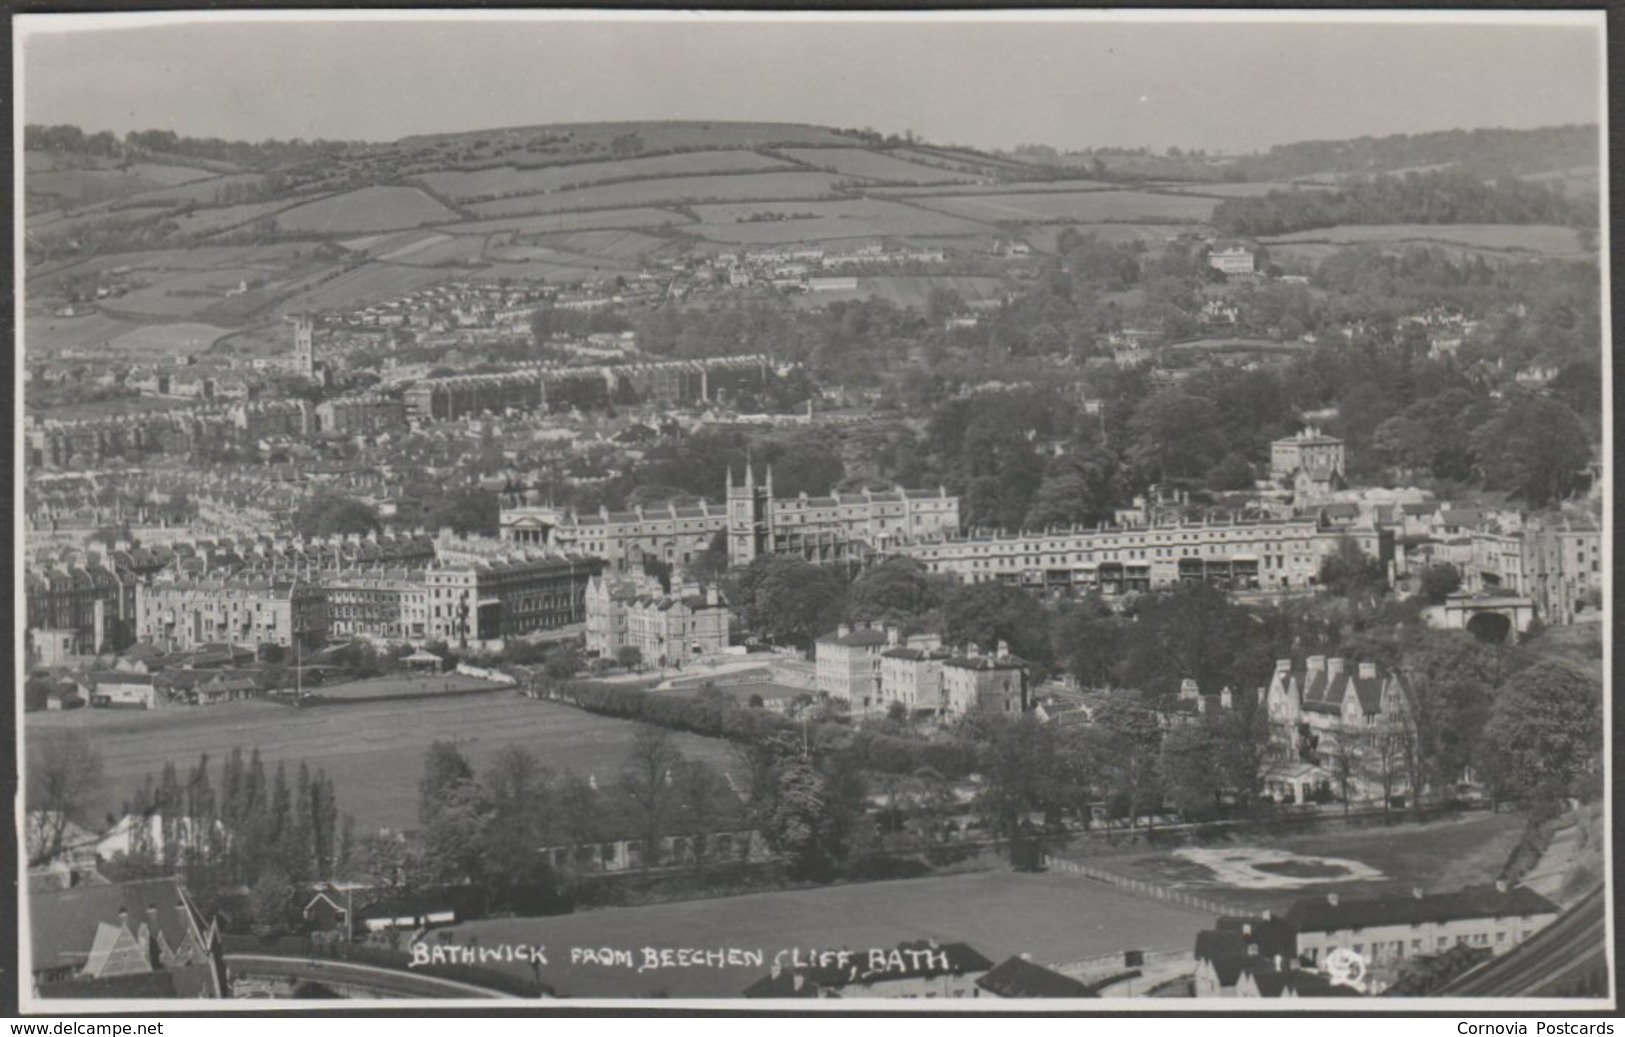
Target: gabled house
column 133, row 939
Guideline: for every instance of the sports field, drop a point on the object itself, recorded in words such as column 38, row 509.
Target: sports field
column 1258, row 872
column 373, row 752
column 1055, row 918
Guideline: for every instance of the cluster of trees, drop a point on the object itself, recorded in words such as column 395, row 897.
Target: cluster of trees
column 270, row 832
column 1439, row 197
column 264, row 154
column 1483, row 152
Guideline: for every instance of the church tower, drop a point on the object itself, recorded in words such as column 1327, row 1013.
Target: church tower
column 750, row 516
column 304, row 346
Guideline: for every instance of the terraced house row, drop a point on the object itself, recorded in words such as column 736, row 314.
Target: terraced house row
column 537, row 388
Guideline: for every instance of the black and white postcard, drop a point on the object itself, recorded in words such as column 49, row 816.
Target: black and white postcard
column 1065, row 510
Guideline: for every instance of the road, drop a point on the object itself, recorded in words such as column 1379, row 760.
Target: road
column 389, row 983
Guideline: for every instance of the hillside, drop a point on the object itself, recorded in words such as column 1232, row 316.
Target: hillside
column 211, row 237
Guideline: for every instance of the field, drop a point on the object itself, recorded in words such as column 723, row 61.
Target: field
column 586, row 139
column 399, row 685
column 1043, row 237
column 44, row 336
column 670, row 190
column 505, row 180
column 907, row 291
column 373, row 752
column 849, row 218
column 1084, row 206
column 166, row 340
column 1004, row 187
column 368, row 284
column 1055, row 918
column 78, row 186
column 1540, row 239
column 1248, row 190
column 567, row 221
column 370, row 208
column 872, row 165
column 1436, row 856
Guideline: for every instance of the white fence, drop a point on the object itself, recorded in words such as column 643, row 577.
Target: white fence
column 1139, row 887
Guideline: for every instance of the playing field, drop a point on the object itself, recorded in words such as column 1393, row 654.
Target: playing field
column 373, row 751
column 1254, row 873
column 1055, row 918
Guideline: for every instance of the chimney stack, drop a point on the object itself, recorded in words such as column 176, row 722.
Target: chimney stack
column 1252, row 950
column 1416, row 891
column 1500, row 885
column 1004, row 649
column 1188, row 689
column 1277, row 963
column 1368, row 671
column 1283, row 666
column 893, row 635
column 1227, row 699
column 1334, row 667
column 1316, row 664
column 1331, row 898
column 843, row 630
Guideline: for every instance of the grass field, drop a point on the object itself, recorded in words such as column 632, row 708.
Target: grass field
column 1004, row 187
column 587, row 139
column 462, row 184
column 1437, row 856
column 1083, row 206
column 166, row 340
column 557, row 223
column 1055, row 918
column 396, row 685
column 373, row 752
column 667, row 191
column 1043, row 237
column 367, row 284
column 1541, row 239
column 907, row 291
column 368, row 209
column 1248, row 190
column 874, row 165
column 849, row 218
column 44, row 336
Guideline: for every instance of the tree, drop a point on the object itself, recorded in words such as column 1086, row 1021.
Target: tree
column 1171, row 435
column 1544, row 732
column 64, row 778
column 897, row 590
column 629, row 657
column 1438, row 582
column 1537, row 448
column 794, row 823
column 1349, row 572
column 444, row 768
column 1190, row 770
column 273, row 901
column 986, row 613
column 1018, row 765
column 786, row 599
column 454, row 839
column 647, row 777
column 331, row 514
column 1126, row 739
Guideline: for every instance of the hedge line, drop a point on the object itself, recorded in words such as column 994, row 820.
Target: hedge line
column 718, row 717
